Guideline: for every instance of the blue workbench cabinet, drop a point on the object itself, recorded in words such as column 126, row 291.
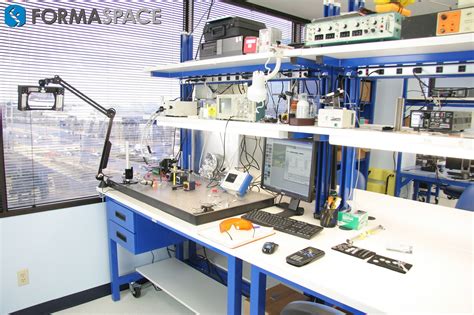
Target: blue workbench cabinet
column 136, row 233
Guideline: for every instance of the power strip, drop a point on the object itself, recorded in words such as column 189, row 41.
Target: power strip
column 422, row 70
column 290, row 75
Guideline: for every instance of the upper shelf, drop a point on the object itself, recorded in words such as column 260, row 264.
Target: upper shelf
column 408, row 141
column 455, row 146
column 443, row 48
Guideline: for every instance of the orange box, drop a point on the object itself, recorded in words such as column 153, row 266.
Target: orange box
column 448, row 22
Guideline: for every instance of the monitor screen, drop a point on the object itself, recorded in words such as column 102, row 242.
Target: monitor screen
column 454, row 164
column 288, row 167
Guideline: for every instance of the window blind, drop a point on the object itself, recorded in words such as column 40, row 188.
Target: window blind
column 51, row 156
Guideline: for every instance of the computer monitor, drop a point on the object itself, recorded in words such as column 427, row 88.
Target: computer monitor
column 460, row 168
column 288, row 168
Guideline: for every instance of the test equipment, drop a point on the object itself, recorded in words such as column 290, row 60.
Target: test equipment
column 237, row 182
column 230, row 26
column 439, row 23
column 455, row 22
column 351, row 29
column 225, row 47
column 267, row 38
column 336, row 118
column 238, row 107
column 440, row 120
column 453, row 92
column 180, row 108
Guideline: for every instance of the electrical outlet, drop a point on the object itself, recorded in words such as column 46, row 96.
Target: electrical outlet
column 23, row 277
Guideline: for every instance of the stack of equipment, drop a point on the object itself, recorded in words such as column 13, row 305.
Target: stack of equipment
column 353, row 28
column 225, row 36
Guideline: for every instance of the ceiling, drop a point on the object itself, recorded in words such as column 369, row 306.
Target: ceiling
column 310, row 9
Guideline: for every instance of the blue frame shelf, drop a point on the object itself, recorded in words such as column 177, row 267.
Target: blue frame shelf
column 454, row 48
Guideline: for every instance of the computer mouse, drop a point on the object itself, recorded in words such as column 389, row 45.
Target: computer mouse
column 269, row 248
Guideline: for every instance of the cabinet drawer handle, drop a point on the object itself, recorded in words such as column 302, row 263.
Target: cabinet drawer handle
column 121, row 236
column 121, row 216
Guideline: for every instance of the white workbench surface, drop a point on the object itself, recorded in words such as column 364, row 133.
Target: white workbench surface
column 440, row 281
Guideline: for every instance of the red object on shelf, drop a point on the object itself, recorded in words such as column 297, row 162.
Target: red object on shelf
column 250, row 44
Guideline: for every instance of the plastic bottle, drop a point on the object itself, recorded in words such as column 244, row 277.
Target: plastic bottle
column 302, row 108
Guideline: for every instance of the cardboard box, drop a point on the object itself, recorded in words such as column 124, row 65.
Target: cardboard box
column 276, row 299
column 353, row 220
column 360, row 154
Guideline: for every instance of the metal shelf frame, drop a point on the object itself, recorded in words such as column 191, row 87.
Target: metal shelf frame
column 333, row 68
column 400, row 177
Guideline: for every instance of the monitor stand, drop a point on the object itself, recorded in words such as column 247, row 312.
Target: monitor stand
column 290, row 209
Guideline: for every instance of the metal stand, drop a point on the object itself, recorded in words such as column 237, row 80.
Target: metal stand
column 110, row 113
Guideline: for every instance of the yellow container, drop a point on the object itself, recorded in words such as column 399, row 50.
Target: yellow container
column 378, row 179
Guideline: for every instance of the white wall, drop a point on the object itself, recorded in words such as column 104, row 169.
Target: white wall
column 66, row 251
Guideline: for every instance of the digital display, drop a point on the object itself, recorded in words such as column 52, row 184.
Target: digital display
column 288, row 167
column 417, row 120
column 225, row 106
column 231, row 178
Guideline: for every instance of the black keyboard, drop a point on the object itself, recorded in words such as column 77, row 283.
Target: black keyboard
column 283, row 224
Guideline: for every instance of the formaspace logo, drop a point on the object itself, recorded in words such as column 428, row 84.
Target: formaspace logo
column 15, row 16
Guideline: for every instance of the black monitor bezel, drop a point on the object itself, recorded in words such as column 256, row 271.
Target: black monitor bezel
column 311, row 194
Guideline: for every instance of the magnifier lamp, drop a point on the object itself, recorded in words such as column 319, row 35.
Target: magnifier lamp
column 257, row 92
column 44, row 97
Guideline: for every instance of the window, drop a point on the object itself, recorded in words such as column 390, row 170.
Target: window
column 53, row 157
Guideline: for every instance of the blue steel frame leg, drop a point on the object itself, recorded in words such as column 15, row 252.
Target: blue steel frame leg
column 179, row 251
column 234, row 285
column 322, row 180
column 191, row 249
column 185, row 93
column 347, row 171
column 258, row 286
column 398, row 177
column 114, row 275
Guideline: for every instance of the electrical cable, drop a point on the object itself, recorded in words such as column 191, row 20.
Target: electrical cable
column 202, row 35
column 202, row 16
column 421, row 84
column 220, row 168
column 212, row 264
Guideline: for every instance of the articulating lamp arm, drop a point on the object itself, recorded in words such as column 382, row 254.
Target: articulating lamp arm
column 110, row 113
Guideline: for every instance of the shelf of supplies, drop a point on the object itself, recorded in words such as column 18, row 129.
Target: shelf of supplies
column 369, row 137
column 193, row 289
column 454, row 146
column 373, row 53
